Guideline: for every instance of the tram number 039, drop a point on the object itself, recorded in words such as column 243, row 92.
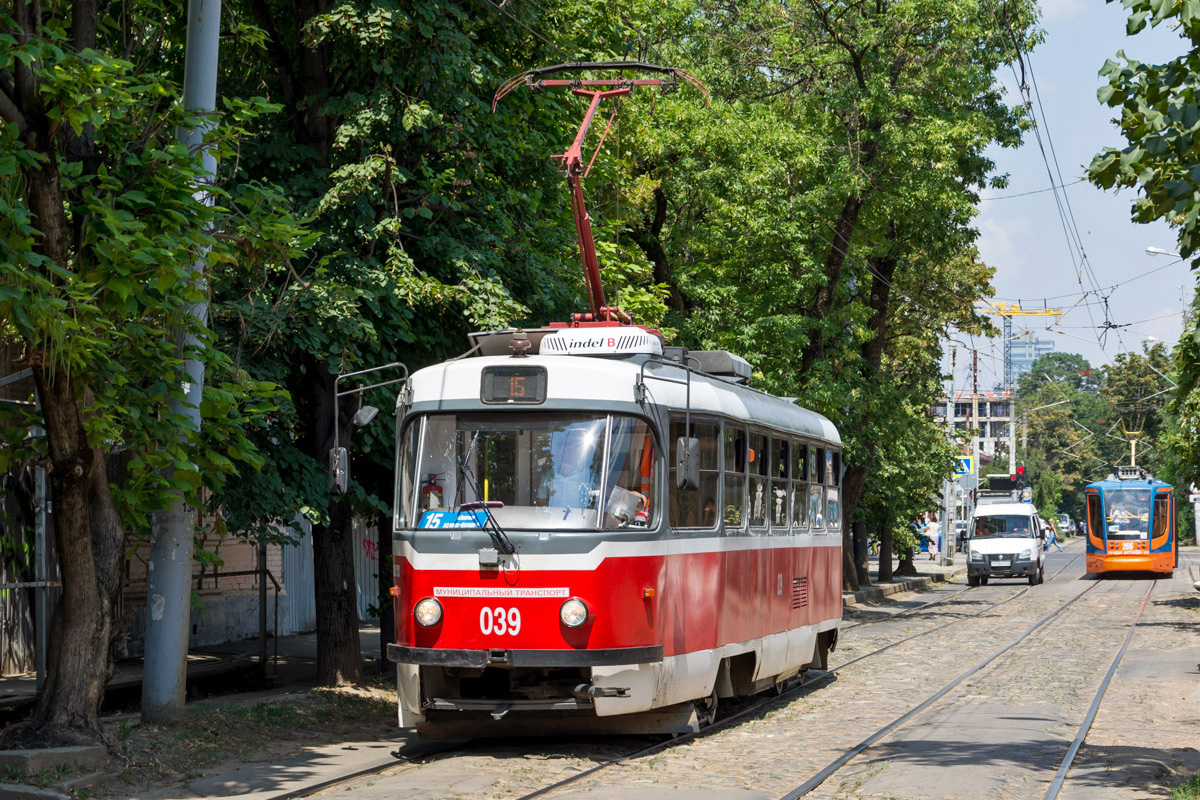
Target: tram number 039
column 499, row 621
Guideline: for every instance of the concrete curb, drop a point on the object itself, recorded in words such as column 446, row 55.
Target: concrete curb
column 876, row 593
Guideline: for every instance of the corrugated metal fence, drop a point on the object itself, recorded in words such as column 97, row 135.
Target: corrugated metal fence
column 299, row 582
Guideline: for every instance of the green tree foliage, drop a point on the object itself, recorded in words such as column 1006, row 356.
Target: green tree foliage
column 433, row 216
column 817, row 218
column 1159, row 119
column 101, row 226
column 1079, row 426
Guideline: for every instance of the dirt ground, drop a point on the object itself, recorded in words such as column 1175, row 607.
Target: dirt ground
column 226, row 732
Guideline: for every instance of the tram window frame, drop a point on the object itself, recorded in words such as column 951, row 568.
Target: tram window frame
column 1163, row 499
column 409, row 438
column 833, row 492
column 1095, row 515
column 710, row 469
column 781, row 461
column 734, row 443
column 816, row 491
column 799, row 482
column 758, row 469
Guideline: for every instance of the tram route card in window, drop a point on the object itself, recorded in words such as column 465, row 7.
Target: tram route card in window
column 513, row 385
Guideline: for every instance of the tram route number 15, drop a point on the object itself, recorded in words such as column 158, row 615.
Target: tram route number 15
column 499, row 621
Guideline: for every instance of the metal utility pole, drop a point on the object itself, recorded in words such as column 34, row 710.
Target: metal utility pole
column 947, row 549
column 975, row 412
column 169, row 584
column 1012, row 433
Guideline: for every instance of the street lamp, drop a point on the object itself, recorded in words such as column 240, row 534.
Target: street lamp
column 1158, row 251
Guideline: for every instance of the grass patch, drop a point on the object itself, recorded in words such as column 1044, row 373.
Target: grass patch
column 1188, row 790
column 239, row 731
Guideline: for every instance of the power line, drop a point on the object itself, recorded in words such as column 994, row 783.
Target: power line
column 1035, row 191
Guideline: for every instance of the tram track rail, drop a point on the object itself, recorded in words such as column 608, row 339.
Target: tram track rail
column 799, row 690
column 1056, row 785
column 794, row 692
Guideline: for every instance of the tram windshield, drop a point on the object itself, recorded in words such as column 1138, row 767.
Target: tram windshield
column 999, row 526
column 581, row 471
column 1127, row 513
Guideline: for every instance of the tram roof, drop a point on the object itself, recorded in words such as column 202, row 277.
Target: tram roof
column 609, row 381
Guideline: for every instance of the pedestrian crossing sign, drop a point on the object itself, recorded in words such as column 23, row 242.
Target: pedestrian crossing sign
column 964, row 465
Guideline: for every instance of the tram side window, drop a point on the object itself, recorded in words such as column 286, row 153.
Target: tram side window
column 1162, row 514
column 799, row 485
column 833, row 506
column 735, row 476
column 697, row 508
column 816, row 491
column 759, row 483
column 1094, row 517
column 780, row 466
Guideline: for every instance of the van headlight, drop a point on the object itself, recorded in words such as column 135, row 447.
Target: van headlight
column 573, row 613
column 1027, row 553
column 977, row 556
column 428, row 612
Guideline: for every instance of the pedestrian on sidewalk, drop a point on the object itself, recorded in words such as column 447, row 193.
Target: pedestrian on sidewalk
column 1053, row 538
column 932, row 532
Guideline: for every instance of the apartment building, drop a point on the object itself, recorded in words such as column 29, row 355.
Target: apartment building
column 995, row 415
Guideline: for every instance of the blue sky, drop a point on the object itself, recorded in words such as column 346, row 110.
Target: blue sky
column 1023, row 238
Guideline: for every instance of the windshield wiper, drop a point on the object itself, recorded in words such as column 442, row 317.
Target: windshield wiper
column 503, row 543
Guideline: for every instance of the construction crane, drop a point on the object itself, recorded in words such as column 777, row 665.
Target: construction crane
column 1008, row 311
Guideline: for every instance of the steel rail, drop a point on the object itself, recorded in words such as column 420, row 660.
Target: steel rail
column 808, row 685
column 839, row 762
column 949, row 598
column 1061, row 775
column 716, row 727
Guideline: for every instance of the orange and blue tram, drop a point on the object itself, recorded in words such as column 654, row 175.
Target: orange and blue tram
column 1131, row 524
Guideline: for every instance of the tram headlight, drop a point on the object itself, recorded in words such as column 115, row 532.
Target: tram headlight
column 573, row 613
column 428, row 612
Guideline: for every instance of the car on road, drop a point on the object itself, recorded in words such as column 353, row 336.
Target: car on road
column 1007, row 540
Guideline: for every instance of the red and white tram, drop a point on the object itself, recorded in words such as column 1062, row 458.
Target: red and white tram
column 592, row 536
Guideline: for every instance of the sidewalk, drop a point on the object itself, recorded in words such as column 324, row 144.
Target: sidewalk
column 928, row 573
column 216, row 669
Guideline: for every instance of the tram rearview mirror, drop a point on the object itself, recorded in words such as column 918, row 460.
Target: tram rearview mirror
column 687, row 463
column 339, row 471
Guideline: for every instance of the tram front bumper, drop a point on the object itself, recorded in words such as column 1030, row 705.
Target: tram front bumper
column 439, row 657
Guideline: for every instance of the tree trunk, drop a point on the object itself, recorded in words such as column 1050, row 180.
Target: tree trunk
column 907, row 569
column 77, row 668
column 849, row 571
column 885, row 552
column 339, row 654
column 835, row 259
column 853, row 483
column 387, row 603
column 77, row 661
column 860, row 553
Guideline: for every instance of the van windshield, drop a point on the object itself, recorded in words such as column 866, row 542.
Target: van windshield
column 999, row 526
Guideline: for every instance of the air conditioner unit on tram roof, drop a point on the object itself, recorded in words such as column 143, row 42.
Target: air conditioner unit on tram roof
column 722, row 364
